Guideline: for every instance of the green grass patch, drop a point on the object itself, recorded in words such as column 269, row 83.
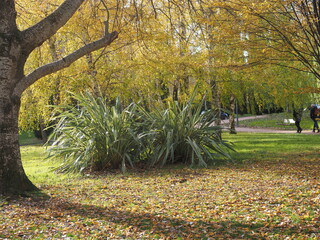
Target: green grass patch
column 39, row 169
column 276, row 121
column 273, row 194
column 262, row 146
column 28, row 138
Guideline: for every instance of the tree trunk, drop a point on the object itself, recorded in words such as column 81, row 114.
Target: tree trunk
column 216, row 99
column 13, row 179
column 183, row 78
column 44, row 135
column 165, row 92
column 92, row 72
column 232, row 113
column 175, row 92
column 212, row 78
column 15, row 47
column 55, row 100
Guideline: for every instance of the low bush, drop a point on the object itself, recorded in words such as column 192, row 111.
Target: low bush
column 179, row 133
column 95, row 136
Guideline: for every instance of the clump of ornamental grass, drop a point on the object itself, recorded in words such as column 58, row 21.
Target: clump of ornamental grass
column 179, row 133
column 93, row 135
column 96, row 136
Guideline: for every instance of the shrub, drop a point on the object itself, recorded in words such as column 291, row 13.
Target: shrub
column 179, row 133
column 94, row 135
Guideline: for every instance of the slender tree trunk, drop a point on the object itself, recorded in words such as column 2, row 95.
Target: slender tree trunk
column 247, row 102
column 175, row 92
column 212, row 79
column 44, row 135
column 216, row 100
column 92, row 72
column 231, row 117
column 165, row 92
column 57, row 82
column 183, row 78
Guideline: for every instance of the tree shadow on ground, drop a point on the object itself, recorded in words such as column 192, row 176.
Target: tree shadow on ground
column 57, row 210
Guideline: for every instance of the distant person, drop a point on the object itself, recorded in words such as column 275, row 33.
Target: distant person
column 314, row 115
column 297, row 116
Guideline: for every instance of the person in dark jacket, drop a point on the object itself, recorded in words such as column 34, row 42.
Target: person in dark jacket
column 313, row 116
column 297, row 116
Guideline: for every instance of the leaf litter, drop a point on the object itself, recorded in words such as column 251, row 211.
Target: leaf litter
column 276, row 199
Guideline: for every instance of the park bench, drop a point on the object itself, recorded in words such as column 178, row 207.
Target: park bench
column 288, row 121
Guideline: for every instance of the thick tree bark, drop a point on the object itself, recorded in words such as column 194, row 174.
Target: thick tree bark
column 13, row 179
column 15, row 47
column 12, row 176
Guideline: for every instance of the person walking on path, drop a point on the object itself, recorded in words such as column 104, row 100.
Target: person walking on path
column 297, row 116
column 314, row 116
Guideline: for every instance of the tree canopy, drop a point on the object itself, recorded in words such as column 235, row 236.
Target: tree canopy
column 258, row 52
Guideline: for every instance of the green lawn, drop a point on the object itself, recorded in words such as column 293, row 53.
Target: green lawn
column 28, row 138
column 262, row 146
column 276, row 121
column 270, row 192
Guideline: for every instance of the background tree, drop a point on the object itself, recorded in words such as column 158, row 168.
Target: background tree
column 165, row 49
column 288, row 30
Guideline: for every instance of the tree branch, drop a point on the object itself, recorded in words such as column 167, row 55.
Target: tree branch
column 35, row 35
column 47, row 69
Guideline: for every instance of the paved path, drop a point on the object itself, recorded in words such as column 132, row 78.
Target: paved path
column 264, row 130
column 269, row 130
column 226, row 121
